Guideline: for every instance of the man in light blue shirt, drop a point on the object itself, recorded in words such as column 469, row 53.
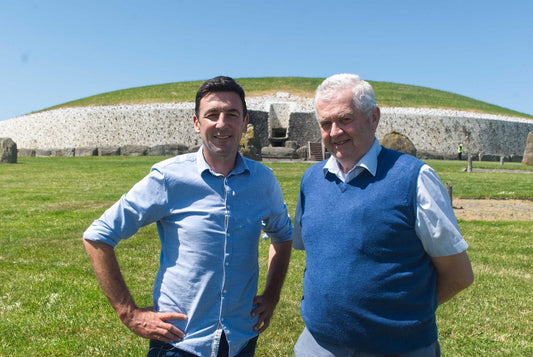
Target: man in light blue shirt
column 382, row 243
column 209, row 208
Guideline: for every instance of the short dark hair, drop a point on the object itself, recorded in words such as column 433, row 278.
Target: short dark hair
column 220, row 84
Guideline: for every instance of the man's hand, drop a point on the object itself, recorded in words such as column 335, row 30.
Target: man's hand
column 278, row 262
column 144, row 322
column 265, row 309
column 147, row 323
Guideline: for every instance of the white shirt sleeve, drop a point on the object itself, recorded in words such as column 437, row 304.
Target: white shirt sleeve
column 436, row 225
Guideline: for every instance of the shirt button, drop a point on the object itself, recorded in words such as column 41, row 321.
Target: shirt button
column 225, row 291
column 227, row 263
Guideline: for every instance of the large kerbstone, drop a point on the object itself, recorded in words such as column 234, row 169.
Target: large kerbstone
column 86, row 151
column 109, row 151
column 8, row 149
column 528, row 152
column 399, row 142
column 280, row 153
column 134, row 150
column 167, row 150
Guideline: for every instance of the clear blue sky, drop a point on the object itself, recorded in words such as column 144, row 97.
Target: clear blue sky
column 55, row 51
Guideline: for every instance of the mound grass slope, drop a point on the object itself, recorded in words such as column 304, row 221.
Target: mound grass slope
column 387, row 95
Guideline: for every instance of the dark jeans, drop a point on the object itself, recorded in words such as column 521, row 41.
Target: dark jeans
column 162, row 349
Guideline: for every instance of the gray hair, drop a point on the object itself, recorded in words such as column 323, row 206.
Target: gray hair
column 363, row 94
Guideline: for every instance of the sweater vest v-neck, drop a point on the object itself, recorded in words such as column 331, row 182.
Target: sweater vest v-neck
column 368, row 283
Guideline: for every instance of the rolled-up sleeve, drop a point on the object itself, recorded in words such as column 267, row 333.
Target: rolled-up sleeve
column 144, row 204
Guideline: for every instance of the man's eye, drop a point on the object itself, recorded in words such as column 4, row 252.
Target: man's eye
column 325, row 125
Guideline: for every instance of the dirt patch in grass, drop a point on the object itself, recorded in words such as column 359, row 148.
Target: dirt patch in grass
column 493, row 209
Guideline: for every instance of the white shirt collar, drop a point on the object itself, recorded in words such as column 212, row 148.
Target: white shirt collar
column 368, row 162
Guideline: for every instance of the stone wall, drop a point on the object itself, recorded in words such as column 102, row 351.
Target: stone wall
column 435, row 133
column 148, row 125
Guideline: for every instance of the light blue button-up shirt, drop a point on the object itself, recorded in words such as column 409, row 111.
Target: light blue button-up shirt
column 209, row 226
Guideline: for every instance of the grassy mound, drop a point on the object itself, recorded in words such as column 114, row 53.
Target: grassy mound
column 387, row 95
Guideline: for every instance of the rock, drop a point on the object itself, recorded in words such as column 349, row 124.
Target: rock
column 528, row 152
column 278, row 152
column 291, row 144
column 68, row 152
column 43, row 153
column 26, row 152
column 109, row 151
column 249, row 145
column 8, row 148
column 134, row 150
column 399, row 142
column 302, row 152
column 86, row 152
column 167, row 150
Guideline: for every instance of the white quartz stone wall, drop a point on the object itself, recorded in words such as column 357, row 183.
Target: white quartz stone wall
column 148, row 125
column 431, row 130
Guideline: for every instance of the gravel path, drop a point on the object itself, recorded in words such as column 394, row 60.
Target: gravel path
column 493, row 210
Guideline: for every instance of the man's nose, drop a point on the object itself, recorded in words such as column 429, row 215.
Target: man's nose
column 222, row 120
column 335, row 129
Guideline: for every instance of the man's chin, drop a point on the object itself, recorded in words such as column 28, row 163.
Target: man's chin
column 223, row 150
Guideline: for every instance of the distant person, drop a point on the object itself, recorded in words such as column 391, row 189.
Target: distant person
column 209, row 207
column 460, row 152
column 382, row 243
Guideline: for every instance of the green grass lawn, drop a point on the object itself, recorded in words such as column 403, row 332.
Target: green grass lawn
column 50, row 303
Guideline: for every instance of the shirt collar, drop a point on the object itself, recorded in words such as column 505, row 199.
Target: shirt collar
column 368, row 162
column 240, row 164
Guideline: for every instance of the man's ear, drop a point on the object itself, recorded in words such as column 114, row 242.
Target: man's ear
column 375, row 115
column 196, row 124
column 245, row 123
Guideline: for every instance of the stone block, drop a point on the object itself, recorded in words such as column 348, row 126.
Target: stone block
column 109, row 151
column 291, row 144
column 302, row 152
column 279, row 153
column 134, row 150
column 68, row 152
column 167, row 150
column 86, row 152
column 43, row 153
column 8, row 150
column 26, row 152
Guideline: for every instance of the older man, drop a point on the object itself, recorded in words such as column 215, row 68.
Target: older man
column 382, row 243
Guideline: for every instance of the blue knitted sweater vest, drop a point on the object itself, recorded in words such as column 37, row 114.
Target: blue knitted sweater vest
column 368, row 282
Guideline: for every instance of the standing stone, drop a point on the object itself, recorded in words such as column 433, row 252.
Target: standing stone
column 528, row 152
column 8, row 148
column 449, row 189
